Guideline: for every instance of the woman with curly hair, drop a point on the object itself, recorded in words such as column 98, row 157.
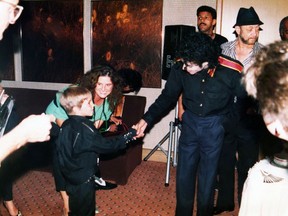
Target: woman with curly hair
column 106, row 88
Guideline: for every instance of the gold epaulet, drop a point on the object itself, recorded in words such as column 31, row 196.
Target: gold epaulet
column 211, row 71
column 231, row 63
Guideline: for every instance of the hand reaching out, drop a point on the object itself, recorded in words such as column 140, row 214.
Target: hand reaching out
column 116, row 120
column 140, row 127
column 36, row 128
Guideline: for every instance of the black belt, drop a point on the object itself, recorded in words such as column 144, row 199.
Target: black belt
column 91, row 178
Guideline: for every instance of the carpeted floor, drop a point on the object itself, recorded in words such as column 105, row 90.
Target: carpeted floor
column 145, row 194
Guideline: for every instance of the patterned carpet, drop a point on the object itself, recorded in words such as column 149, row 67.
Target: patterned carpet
column 144, row 194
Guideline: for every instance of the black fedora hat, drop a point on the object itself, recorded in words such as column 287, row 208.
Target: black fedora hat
column 247, row 16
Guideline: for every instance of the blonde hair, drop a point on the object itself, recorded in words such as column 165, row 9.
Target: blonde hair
column 267, row 80
column 74, row 96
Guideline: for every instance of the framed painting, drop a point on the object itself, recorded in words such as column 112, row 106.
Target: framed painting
column 127, row 34
column 52, row 41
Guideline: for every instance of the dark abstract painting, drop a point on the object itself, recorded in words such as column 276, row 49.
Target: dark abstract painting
column 127, row 34
column 52, row 41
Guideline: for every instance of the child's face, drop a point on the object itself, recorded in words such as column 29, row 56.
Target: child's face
column 87, row 107
column 103, row 87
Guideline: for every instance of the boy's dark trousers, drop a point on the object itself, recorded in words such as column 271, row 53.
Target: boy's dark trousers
column 82, row 199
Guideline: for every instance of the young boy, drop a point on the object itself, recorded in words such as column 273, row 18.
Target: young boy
column 78, row 147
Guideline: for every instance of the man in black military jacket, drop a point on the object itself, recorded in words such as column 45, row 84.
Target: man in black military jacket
column 208, row 83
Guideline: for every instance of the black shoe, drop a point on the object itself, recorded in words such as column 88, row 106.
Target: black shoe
column 217, row 211
column 104, row 185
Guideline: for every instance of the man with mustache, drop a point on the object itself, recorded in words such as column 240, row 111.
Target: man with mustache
column 240, row 137
column 206, row 22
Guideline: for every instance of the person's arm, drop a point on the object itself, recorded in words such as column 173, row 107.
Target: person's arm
column 59, row 122
column 85, row 132
column 34, row 128
column 181, row 109
column 98, row 123
column 168, row 96
column 116, row 120
column 54, row 108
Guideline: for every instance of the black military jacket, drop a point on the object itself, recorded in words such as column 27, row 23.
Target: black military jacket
column 206, row 93
column 78, row 146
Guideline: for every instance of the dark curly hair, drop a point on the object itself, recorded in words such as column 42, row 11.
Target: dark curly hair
column 198, row 48
column 131, row 78
column 282, row 26
column 205, row 8
column 90, row 79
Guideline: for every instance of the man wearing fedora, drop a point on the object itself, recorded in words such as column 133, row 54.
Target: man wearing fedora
column 240, row 137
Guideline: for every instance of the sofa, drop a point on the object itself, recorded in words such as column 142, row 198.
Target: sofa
column 116, row 167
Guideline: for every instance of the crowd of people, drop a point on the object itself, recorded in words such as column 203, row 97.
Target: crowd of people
column 236, row 138
column 249, row 79
column 105, row 86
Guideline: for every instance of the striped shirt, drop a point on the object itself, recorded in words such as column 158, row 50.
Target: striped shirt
column 228, row 49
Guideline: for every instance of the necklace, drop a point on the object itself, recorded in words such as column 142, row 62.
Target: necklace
column 280, row 160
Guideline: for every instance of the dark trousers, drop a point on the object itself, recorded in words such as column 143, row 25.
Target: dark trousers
column 82, row 199
column 59, row 179
column 199, row 150
column 11, row 165
column 241, row 140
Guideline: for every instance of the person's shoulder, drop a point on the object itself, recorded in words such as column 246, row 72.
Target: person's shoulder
column 67, row 122
column 77, row 122
column 72, row 120
column 227, row 44
column 230, row 63
column 221, row 38
column 176, row 67
column 258, row 46
column 177, row 64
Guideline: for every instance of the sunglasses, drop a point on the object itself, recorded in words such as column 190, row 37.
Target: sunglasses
column 17, row 10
